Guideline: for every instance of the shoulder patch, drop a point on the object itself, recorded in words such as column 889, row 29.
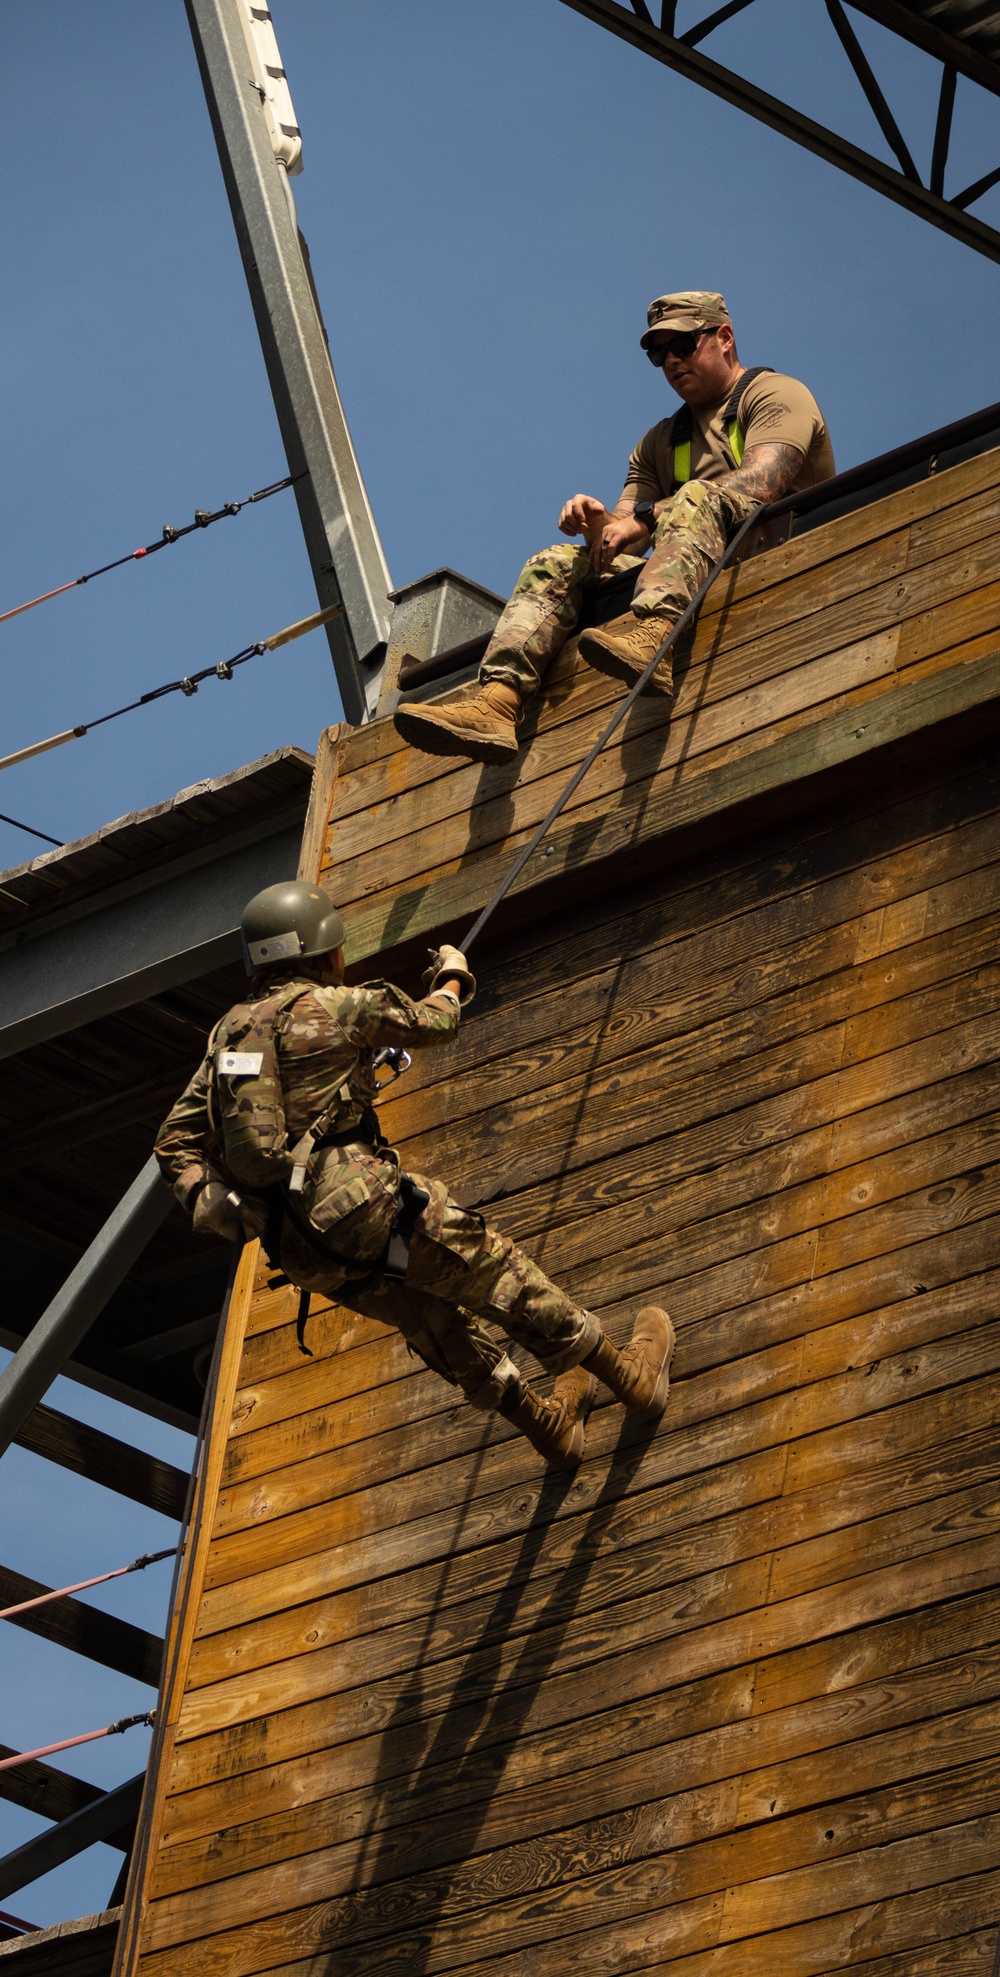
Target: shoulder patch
column 239, row 1063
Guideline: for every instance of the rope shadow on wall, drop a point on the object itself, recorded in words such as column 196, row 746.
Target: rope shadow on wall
column 429, row 1819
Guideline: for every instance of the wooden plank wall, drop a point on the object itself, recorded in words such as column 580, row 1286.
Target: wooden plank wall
column 727, row 1700
column 897, row 591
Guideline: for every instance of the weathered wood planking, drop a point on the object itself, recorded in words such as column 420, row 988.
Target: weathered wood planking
column 849, row 628
column 728, row 1699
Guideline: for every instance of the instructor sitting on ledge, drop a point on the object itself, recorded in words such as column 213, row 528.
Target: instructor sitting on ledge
column 741, row 437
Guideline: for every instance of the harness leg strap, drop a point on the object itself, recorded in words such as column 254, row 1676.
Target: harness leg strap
column 393, row 1264
column 302, row 1321
column 412, row 1202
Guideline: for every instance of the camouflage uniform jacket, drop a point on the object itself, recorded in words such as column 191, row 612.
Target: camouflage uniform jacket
column 324, row 1041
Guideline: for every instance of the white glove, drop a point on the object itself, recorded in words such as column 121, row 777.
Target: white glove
column 217, row 1212
column 448, row 962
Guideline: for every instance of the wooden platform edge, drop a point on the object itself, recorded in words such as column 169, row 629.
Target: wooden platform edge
column 942, row 711
column 183, row 1619
column 44, row 1952
column 329, row 752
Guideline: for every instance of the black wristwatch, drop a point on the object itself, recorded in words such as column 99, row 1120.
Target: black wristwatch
column 645, row 512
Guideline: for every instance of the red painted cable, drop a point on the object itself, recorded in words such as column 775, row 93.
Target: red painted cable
column 32, row 601
column 61, row 1592
column 203, row 519
column 69, row 1743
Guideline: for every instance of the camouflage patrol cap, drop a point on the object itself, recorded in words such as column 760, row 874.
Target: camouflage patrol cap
column 694, row 308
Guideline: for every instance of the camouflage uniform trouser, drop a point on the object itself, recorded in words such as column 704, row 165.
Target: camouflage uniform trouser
column 545, row 604
column 460, row 1272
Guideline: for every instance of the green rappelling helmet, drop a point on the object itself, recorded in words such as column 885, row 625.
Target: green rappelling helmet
column 289, row 922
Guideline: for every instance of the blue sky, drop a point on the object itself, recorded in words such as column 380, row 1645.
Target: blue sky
column 492, row 193
column 493, row 190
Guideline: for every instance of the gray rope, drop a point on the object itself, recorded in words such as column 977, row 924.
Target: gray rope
column 618, row 716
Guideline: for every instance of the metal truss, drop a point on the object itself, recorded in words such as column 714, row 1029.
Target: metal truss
column 87, row 1630
column 902, row 182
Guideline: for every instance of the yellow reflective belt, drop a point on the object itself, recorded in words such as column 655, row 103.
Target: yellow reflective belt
column 682, row 453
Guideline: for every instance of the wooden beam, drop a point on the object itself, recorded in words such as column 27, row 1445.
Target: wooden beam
column 102, row 1459
column 41, row 1788
column 100, row 1636
column 324, row 782
column 61, row 1130
column 110, row 1813
column 81, row 1948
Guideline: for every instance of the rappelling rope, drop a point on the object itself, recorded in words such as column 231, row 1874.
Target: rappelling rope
column 120, row 1571
column 394, row 1058
column 187, row 686
column 616, row 719
column 69, row 1743
column 203, row 519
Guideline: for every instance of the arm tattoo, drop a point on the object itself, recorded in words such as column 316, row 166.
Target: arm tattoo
column 767, row 472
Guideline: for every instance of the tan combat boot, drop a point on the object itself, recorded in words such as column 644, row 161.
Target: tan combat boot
column 624, row 647
column 640, row 1375
column 556, row 1427
column 477, row 720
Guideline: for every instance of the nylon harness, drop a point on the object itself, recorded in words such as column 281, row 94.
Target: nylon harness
column 281, row 1206
column 682, row 429
column 395, row 1257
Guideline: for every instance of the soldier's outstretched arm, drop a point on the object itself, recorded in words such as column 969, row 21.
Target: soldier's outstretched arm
column 449, row 974
column 186, row 1142
column 185, row 1147
column 381, row 1014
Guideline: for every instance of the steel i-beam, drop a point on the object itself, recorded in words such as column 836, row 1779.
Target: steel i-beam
column 348, row 562
column 57, row 1333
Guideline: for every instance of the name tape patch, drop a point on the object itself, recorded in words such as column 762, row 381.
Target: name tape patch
column 277, row 947
column 240, row 1063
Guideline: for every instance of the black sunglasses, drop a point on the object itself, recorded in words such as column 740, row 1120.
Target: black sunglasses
column 680, row 345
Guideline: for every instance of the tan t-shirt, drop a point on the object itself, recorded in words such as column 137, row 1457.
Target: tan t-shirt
column 774, row 408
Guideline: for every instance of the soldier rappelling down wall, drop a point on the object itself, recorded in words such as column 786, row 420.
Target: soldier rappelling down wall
column 276, row 1135
column 741, row 437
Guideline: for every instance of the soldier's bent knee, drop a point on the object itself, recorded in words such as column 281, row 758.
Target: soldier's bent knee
column 489, row 1394
column 562, row 559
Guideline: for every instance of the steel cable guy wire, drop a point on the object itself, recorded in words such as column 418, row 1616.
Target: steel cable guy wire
column 203, row 519
column 188, row 685
column 30, row 828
